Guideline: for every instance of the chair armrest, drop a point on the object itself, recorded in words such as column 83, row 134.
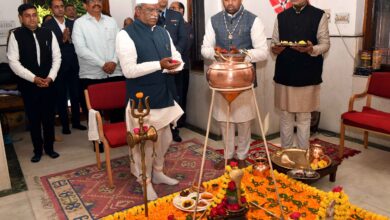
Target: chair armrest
column 353, row 98
column 99, row 121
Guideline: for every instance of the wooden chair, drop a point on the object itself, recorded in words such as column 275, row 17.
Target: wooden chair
column 369, row 119
column 103, row 97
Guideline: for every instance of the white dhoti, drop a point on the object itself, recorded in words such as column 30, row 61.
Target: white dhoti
column 160, row 119
column 242, row 111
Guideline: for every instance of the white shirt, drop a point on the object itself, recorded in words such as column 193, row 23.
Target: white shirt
column 20, row 70
column 259, row 42
column 61, row 25
column 127, row 55
column 94, row 42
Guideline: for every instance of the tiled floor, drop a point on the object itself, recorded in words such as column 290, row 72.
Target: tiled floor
column 365, row 177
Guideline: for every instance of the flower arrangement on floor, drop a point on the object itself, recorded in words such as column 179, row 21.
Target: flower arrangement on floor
column 299, row 201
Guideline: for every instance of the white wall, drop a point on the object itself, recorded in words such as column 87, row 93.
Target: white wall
column 121, row 9
column 8, row 11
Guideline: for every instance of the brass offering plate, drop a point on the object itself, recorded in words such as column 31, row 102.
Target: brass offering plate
column 298, row 156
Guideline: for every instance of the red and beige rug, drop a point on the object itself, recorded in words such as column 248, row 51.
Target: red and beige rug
column 82, row 193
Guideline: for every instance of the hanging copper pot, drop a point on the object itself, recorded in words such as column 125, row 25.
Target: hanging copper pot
column 230, row 72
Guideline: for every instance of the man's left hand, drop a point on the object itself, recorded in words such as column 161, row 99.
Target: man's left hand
column 307, row 49
column 47, row 81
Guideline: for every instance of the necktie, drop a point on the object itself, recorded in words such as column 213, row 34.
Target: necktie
column 162, row 18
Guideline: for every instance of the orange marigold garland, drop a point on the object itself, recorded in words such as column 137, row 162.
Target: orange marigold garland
column 297, row 199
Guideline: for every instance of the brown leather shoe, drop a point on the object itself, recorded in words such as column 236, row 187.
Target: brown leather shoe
column 241, row 164
column 221, row 164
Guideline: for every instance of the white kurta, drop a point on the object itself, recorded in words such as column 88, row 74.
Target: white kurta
column 243, row 107
column 159, row 118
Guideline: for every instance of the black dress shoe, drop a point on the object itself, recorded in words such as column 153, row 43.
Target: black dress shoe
column 176, row 138
column 80, row 127
column 66, row 131
column 53, row 154
column 101, row 148
column 36, row 158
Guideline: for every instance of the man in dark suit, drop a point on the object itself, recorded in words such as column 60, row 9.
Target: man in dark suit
column 185, row 73
column 173, row 22
column 68, row 76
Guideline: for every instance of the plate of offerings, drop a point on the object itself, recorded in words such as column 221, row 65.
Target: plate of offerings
column 294, row 158
column 186, row 201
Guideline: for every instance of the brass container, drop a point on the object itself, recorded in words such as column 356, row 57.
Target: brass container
column 261, row 167
column 230, row 74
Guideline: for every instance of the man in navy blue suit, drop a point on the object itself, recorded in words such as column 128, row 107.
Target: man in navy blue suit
column 173, row 22
column 68, row 75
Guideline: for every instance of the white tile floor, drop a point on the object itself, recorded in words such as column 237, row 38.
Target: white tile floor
column 365, row 177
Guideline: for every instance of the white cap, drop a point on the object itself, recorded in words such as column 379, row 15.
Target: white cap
column 146, row 2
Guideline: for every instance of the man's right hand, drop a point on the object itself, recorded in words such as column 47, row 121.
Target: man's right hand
column 40, row 82
column 66, row 36
column 169, row 64
column 277, row 49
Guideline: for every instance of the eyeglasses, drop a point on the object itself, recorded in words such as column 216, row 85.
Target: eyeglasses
column 94, row 1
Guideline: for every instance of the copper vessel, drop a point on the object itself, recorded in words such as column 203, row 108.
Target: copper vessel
column 230, row 72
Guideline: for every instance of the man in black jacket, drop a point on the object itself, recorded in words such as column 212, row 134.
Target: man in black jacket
column 173, row 22
column 68, row 75
column 35, row 57
column 185, row 73
column 298, row 69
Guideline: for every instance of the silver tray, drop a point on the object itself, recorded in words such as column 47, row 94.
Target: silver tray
column 296, row 155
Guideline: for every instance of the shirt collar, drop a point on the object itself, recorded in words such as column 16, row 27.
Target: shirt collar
column 58, row 22
column 300, row 11
column 164, row 11
column 89, row 16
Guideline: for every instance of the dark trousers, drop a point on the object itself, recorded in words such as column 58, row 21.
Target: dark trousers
column 67, row 83
column 40, row 110
column 114, row 115
column 182, row 81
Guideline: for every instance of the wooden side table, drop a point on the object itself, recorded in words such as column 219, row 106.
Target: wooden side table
column 331, row 171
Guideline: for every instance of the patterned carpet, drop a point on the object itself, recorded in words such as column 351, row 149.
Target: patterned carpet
column 83, row 193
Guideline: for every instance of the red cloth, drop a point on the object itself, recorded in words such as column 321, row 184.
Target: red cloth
column 380, row 84
column 106, row 96
column 115, row 134
column 280, row 5
column 368, row 118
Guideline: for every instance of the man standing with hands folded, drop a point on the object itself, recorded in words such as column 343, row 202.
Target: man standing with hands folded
column 149, row 61
column 94, row 40
column 68, row 75
column 35, row 57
